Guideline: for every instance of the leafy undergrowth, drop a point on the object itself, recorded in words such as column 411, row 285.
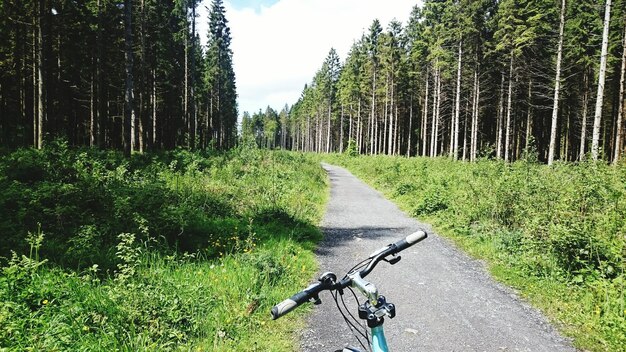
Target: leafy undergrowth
column 173, row 251
column 557, row 234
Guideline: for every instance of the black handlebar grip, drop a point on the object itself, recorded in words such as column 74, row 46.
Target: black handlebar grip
column 410, row 240
column 290, row 304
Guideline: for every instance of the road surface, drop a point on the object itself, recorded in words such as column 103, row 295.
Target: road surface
column 445, row 301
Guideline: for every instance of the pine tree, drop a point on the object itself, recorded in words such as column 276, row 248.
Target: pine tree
column 372, row 45
column 220, row 78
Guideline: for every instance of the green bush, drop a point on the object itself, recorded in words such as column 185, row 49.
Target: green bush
column 85, row 198
column 563, row 225
column 167, row 251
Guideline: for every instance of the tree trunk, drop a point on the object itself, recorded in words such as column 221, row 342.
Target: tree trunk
column 473, row 123
column 565, row 141
column 154, row 109
column 144, row 96
column 329, row 124
column 21, row 82
column 465, row 130
column 359, row 128
column 392, row 121
column 373, row 112
column 476, row 118
column 585, row 107
column 386, row 114
column 192, row 92
column 341, row 130
column 425, row 119
column 35, row 86
column 452, row 117
column 620, row 114
column 437, row 115
column 557, row 87
column 507, row 137
column 41, row 74
column 597, row 122
column 350, row 122
column 529, row 116
column 408, row 147
column 129, row 109
column 457, row 110
column 500, row 122
column 475, row 110
column 433, row 132
column 395, row 134
column 390, row 135
column 376, row 136
column 101, row 121
column 92, row 112
column 186, row 118
column 307, row 138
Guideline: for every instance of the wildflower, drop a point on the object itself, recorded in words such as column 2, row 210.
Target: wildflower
column 44, row 302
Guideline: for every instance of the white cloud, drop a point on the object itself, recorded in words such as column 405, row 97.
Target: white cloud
column 277, row 49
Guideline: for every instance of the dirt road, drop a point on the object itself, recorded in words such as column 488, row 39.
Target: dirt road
column 445, row 300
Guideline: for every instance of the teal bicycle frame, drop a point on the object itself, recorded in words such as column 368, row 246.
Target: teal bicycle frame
column 379, row 343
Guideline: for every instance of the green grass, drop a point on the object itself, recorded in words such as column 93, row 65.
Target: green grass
column 171, row 251
column 557, row 234
column 168, row 303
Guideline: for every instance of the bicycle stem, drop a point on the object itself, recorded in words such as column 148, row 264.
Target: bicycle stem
column 367, row 288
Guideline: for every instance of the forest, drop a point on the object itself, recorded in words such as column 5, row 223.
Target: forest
column 138, row 213
column 126, row 75
column 466, row 79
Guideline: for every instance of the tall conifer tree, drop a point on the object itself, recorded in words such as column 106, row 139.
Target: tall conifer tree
column 220, row 77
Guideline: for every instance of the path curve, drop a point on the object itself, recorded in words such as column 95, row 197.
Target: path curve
column 445, row 300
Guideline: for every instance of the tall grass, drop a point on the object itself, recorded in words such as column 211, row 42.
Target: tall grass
column 173, row 251
column 558, row 233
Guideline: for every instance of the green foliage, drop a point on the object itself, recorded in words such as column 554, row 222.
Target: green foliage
column 86, row 198
column 172, row 251
column 168, row 303
column 561, row 227
column 351, row 149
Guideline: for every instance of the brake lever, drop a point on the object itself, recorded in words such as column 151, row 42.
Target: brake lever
column 316, row 300
column 393, row 260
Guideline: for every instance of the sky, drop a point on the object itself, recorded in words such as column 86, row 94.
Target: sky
column 278, row 45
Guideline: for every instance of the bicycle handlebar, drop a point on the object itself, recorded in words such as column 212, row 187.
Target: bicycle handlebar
column 410, row 240
column 296, row 300
column 393, row 249
column 313, row 290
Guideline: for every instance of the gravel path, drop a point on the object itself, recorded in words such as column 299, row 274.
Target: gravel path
column 445, row 301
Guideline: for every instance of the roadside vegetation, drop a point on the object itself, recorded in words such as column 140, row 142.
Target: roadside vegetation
column 170, row 251
column 557, row 234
